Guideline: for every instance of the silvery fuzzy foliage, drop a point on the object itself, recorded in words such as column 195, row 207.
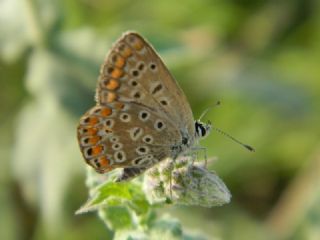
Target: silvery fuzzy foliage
column 122, row 219
column 184, row 182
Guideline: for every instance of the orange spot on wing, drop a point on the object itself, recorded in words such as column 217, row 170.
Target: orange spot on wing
column 106, row 112
column 112, row 84
column 90, row 131
column 116, row 73
column 94, row 140
column 119, row 62
column 97, row 150
column 107, row 130
column 118, row 105
column 138, row 45
column 111, row 97
column 126, row 51
column 104, row 162
column 91, row 120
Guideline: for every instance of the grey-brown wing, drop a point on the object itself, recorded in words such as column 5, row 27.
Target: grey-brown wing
column 133, row 137
column 133, row 71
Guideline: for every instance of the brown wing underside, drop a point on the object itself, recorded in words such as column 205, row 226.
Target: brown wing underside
column 133, row 137
column 137, row 99
column 133, row 71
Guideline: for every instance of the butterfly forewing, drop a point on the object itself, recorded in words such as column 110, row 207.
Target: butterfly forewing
column 134, row 72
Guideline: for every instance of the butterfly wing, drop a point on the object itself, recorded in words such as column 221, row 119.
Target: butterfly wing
column 134, row 72
column 141, row 111
column 134, row 137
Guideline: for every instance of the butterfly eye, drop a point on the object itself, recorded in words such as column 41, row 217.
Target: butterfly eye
column 200, row 129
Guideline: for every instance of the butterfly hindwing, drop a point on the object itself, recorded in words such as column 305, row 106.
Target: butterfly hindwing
column 133, row 137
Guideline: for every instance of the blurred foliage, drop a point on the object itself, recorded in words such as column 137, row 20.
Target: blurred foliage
column 260, row 58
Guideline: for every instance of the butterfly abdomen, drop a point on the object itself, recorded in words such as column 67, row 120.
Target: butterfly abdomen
column 129, row 173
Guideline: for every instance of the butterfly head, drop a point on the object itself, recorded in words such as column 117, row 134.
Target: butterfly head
column 202, row 129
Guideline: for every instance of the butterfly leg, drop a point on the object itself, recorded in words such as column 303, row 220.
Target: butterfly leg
column 171, row 167
column 194, row 156
column 196, row 150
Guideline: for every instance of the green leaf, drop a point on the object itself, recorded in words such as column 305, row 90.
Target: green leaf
column 139, row 203
column 116, row 217
column 107, row 194
column 114, row 190
column 117, row 194
column 167, row 226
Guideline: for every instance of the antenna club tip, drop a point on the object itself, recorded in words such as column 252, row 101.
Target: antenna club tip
column 251, row 149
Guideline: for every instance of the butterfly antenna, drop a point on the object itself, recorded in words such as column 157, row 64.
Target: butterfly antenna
column 251, row 149
column 209, row 108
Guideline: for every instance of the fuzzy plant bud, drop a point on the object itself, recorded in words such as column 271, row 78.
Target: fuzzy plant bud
column 184, row 182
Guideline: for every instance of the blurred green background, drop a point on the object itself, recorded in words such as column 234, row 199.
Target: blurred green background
column 260, row 58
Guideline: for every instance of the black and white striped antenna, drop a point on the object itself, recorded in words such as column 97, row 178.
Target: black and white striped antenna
column 251, row 149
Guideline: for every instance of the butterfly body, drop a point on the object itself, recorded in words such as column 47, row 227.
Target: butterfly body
column 141, row 116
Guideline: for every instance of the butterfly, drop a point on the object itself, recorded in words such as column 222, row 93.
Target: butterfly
column 141, row 116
